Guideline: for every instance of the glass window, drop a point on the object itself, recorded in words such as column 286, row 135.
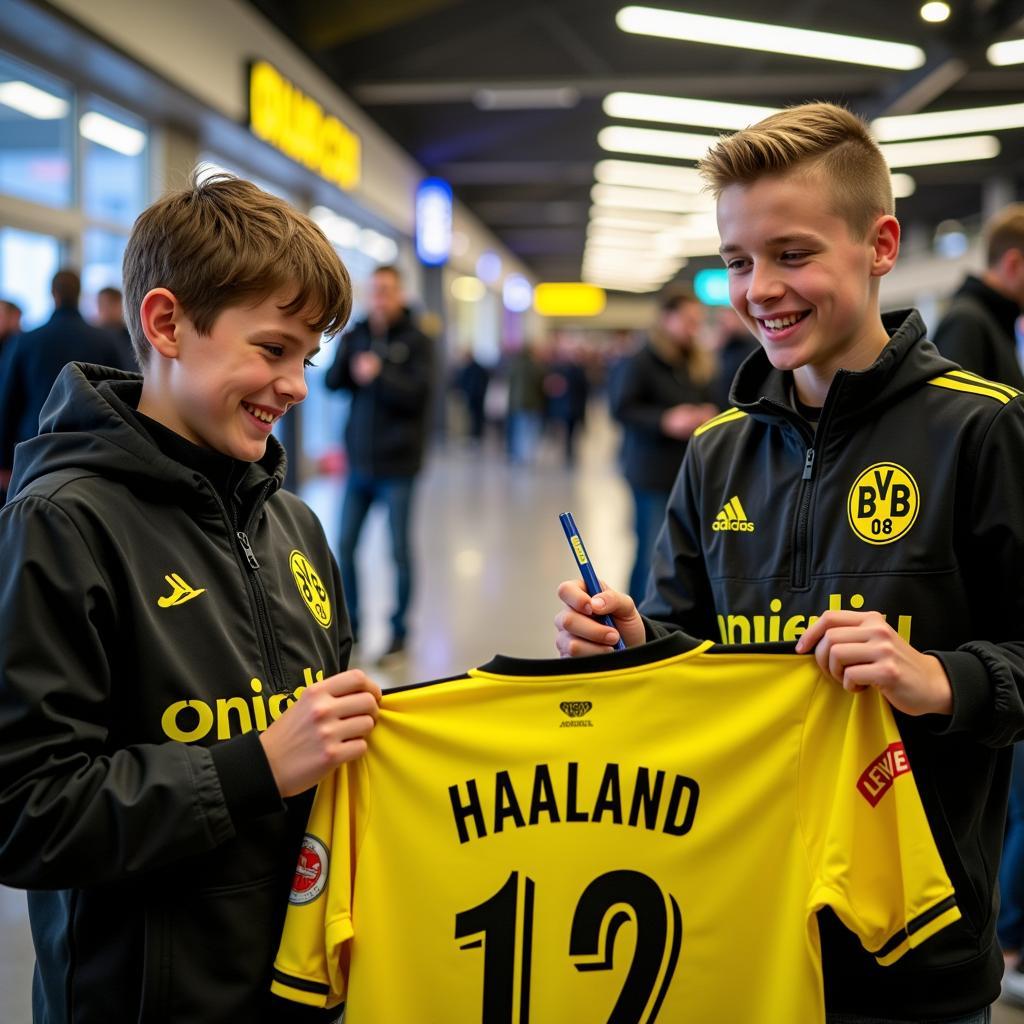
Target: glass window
column 102, row 253
column 114, row 167
column 27, row 264
column 36, row 135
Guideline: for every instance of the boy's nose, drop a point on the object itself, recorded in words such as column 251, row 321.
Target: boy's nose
column 292, row 385
column 763, row 286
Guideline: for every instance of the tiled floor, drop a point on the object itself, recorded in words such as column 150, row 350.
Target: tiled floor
column 490, row 552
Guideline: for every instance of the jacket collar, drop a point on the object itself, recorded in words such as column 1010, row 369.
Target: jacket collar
column 906, row 362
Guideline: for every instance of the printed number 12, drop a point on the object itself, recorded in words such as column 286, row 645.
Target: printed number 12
column 493, row 925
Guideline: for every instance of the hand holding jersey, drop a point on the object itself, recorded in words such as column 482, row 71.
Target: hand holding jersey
column 860, row 649
column 326, row 727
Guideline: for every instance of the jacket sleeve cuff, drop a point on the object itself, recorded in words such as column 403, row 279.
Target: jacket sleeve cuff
column 973, row 692
column 245, row 777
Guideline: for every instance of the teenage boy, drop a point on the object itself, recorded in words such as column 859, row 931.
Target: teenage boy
column 882, row 518
column 173, row 631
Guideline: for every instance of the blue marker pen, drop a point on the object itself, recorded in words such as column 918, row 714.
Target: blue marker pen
column 579, row 552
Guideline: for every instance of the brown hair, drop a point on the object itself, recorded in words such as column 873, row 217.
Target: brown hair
column 1005, row 231
column 814, row 135
column 224, row 242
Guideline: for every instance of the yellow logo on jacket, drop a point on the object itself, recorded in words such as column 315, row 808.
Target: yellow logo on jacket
column 311, row 587
column 180, row 592
column 883, row 503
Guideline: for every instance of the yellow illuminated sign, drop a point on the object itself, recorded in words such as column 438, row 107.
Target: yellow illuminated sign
column 568, row 299
column 292, row 122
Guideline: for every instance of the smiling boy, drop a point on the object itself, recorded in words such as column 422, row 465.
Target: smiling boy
column 173, row 631
column 882, row 524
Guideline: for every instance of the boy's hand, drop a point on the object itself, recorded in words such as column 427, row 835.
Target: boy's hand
column 325, row 727
column 860, row 649
column 579, row 634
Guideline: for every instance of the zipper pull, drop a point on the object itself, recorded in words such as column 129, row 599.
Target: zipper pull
column 808, row 466
column 247, row 548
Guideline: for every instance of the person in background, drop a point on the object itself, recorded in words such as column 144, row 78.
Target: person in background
column 525, row 404
column 10, row 322
column 662, row 395
column 110, row 317
column 33, row 360
column 567, row 388
column 977, row 330
column 735, row 343
column 385, row 363
column 472, row 379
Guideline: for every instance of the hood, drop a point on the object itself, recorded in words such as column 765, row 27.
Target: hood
column 86, row 426
column 907, row 361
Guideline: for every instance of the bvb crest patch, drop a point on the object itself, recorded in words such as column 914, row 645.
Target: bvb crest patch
column 310, row 872
column 883, row 503
column 311, row 587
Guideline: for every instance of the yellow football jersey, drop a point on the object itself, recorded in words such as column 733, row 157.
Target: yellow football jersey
column 605, row 839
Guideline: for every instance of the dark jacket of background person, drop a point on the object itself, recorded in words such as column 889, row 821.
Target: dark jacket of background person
column 32, row 364
column 648, row 383
column 978, row 333
column 135, row 804
column 734, row 351
column 387, row 421
column 525, row 383
column 567, row 397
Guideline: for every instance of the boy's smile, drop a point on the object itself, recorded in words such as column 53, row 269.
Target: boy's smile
column 801, row 280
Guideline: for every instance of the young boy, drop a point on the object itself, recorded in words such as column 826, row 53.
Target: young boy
column 173, row 630
column 862, row 500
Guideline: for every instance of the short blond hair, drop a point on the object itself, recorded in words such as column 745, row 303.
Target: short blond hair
column 1005, row 231
column 821, row 136
column 222, row 243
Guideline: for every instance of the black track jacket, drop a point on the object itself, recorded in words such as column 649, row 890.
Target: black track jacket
column 146, row 637
column 907, row 500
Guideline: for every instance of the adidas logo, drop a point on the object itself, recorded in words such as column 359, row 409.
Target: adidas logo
column 732, row 518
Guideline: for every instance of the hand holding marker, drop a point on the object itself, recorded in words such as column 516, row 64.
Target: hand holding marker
column 590, row 581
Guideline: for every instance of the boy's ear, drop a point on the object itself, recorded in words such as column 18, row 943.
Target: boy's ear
column 159, row 313
column 885, row 242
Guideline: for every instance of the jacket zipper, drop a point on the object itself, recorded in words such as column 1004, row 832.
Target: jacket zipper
column 800, row 573
column 255, row 584
column 257, row 595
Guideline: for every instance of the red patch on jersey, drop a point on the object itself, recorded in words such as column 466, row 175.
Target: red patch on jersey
column 310, row 872
column 876, row 780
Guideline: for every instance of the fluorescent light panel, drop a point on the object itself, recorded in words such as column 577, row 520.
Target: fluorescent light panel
column 1010, row 51
column 635, row 106
column 27, row 99
column 652, row 142
column 949, row 122
column 640, row 219
column 111, row 134
column 941, row 151
column 752, row 35
column 640, row 175
column 650, row 199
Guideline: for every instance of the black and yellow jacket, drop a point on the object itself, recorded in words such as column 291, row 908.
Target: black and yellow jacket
column 907, row 499
column 150, row 627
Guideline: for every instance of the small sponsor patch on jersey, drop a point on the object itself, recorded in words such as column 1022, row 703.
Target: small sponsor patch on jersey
column 883, row 503
column 311, row 587
column 732, row 518
column 310, row 873
column 576, row 711
column 876, row 780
